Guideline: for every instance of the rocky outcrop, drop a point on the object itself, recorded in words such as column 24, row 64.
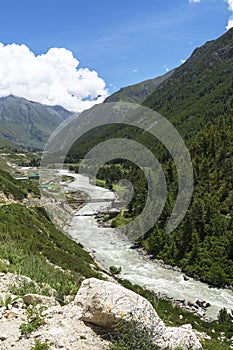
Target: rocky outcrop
column 107, row 305
column 112, row 306
column 62, row 327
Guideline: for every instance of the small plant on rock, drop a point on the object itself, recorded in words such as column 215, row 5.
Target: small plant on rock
column 8, row 299
column 34, row 320
column 40, row 346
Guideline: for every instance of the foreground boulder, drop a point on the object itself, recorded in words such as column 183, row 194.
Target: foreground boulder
column 106, row 304
column 112, row 307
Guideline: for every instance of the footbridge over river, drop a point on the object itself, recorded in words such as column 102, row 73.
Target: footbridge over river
column 114, row 206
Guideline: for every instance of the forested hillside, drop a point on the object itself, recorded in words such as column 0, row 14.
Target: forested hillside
column 199, row 90
column 197, row 99
column 203, row 243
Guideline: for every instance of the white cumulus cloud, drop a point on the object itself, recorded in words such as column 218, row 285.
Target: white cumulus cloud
column 230, row 23
column 52, row 78
column 230, row 20
column 230, row 4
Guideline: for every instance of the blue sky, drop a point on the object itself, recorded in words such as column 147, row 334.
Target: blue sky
column 124, row 41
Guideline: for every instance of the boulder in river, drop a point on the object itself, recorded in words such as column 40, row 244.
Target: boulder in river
column 202, row 303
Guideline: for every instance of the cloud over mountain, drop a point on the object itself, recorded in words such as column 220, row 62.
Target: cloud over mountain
column 230, row 21
column 51, row 78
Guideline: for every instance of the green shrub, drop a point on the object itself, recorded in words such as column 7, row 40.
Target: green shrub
column 34, row 320
column 40, row 346
column 26, row 288
column 135, row 338
column 225, row 317
column 115, row 270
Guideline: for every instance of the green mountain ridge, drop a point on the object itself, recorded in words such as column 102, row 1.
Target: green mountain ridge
column 196, row 92
column 26, row 123
column 137, row 93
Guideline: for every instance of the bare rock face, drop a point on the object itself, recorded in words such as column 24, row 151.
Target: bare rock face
column 111, row 306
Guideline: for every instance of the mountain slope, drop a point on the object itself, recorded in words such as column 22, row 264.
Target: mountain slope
column 31, row 245
column 199, row 90
column 28, row 123
column 139, row 92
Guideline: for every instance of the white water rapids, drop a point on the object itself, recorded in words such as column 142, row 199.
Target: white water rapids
column 111, row 248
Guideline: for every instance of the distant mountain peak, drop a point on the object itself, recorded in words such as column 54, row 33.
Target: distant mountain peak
column 28, row 123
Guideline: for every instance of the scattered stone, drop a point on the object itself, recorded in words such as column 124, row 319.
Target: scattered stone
column 59, row 343
column 193, row 304
column 187, row 326
column 63, row 326
column 181, row 338
column 68, row 299
column 202, row 336
column 56, row 331
column 13, row 313
column 202, row 303
column 3, row 337
column 30, row 299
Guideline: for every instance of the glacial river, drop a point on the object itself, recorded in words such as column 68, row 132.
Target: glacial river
column 111, row 248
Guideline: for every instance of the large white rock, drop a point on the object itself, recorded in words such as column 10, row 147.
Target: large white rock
column 106, row 303
column 112, row 306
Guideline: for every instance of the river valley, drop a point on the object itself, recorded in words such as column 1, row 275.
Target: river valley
column 110, row 247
